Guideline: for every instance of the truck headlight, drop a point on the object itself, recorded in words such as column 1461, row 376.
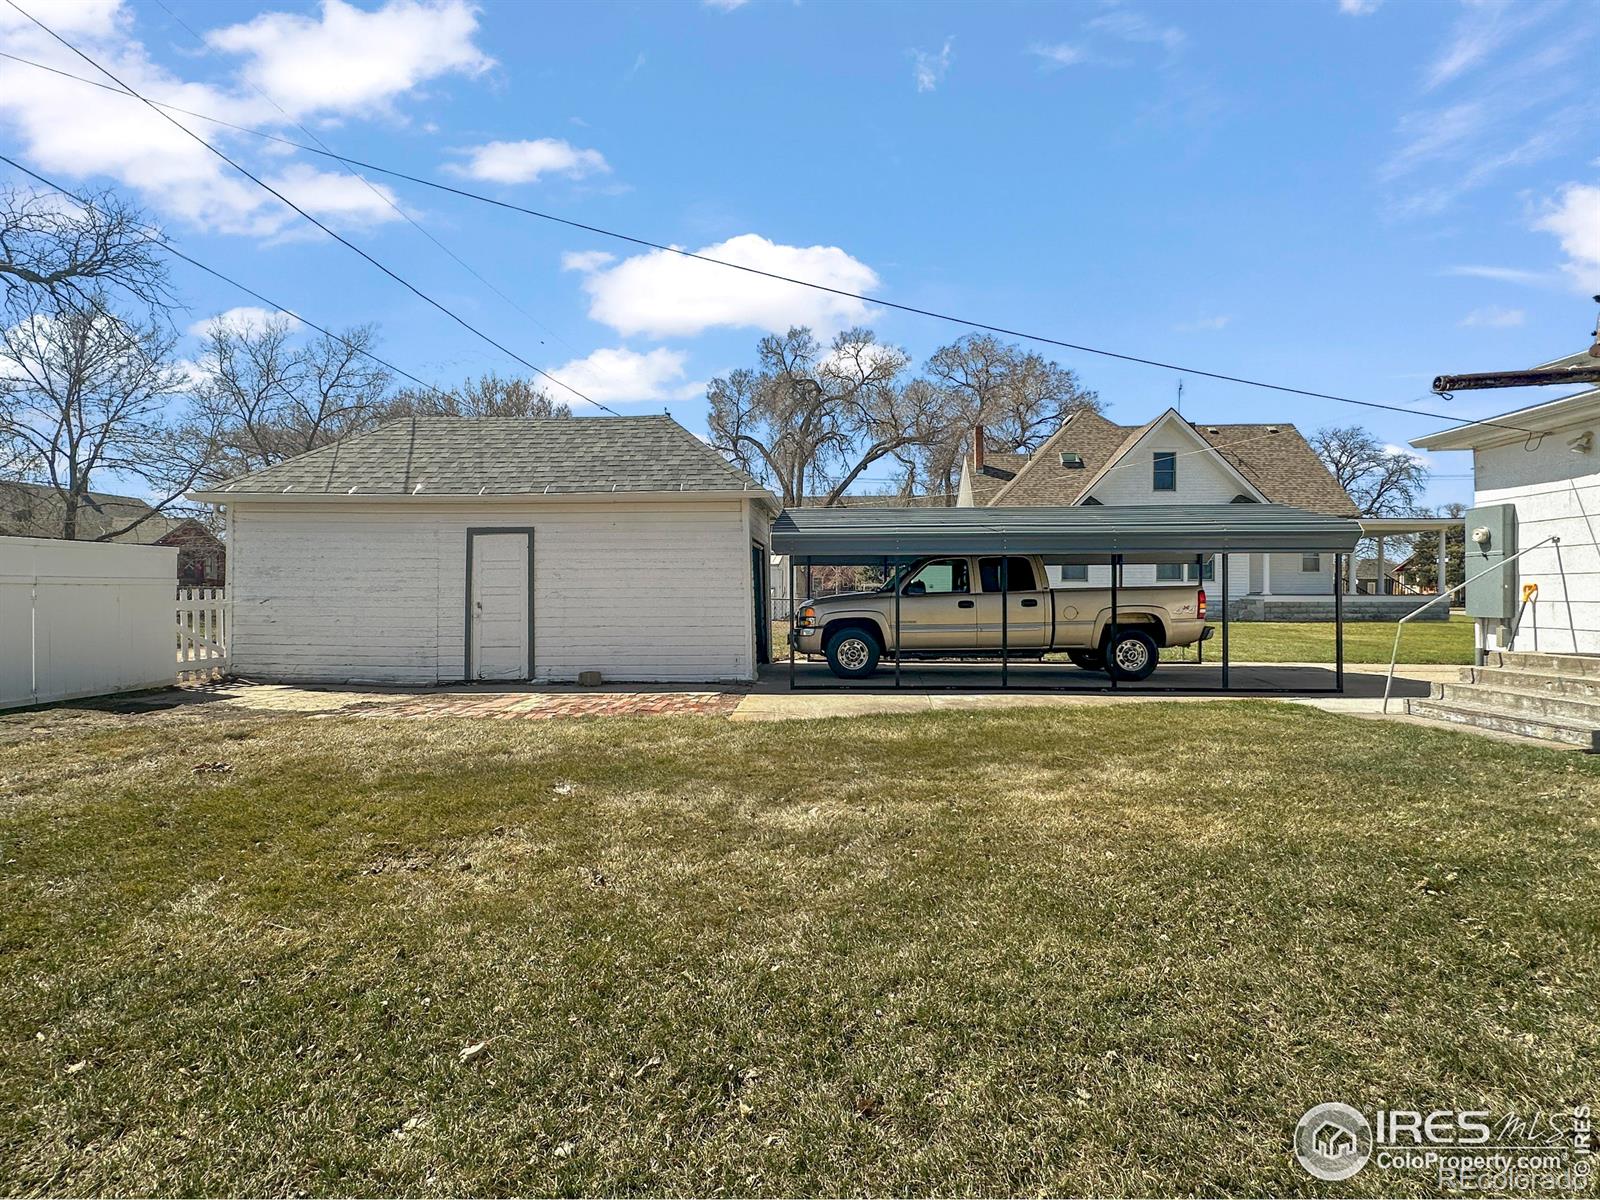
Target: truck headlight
column 808, row 617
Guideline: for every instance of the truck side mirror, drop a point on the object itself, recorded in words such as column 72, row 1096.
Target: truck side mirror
column 916, row 588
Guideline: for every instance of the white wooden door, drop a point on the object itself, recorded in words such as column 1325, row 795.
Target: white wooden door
column 498, row 608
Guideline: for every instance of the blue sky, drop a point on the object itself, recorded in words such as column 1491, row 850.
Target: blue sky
column 1346, row 196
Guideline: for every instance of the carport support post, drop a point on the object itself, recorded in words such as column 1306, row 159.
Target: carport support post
column 794, row 615
column 1224, row 622
column 1111, row 638
column 1005, row 604
column 898, row 584
column 1338, row 624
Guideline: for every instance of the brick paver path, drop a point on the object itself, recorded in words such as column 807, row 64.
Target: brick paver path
column 548, row 706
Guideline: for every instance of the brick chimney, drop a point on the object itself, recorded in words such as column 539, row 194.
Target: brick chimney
column 977, row 448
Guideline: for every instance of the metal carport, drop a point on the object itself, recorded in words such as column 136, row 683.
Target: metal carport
column 1087, row 534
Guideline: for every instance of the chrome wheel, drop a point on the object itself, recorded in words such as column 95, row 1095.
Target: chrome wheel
column 1132, row 656
column 854, row 654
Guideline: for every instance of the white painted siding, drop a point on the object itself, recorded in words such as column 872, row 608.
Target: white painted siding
column 1202, row 479
column 638, row 590
column 85, row 619
column 1556, row 492
column 1290, row 579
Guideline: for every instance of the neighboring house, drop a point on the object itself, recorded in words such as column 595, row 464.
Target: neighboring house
column 1091, row 460
column 1536, row 475
column 37, row 510
column 438, row 549
column 1397, row 577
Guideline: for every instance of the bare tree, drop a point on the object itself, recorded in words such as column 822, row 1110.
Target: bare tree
column 85, row 393
column 1381, row 481
column 1017, row 395
column 487, row 396
column 273, row 396
column 810, row 420
column 51, row 244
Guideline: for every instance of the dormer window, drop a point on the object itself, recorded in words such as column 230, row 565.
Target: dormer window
column 1072, row 460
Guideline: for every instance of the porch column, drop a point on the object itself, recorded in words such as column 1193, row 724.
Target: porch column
column 1266, row 574
column 1444, row 560
column 1352, row 584
column 1378, row 583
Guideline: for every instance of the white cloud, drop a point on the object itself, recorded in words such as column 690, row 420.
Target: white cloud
column 354, row 60
column 1059, row 54
column 663, row 294
column 336, row 198
column 1575, row 220
column 246, row 319
column 1205, row 324
column 80, row 133
column 1359, row 8
column 1493, row 317
column 928, row 69
column 586, row 260
column 723, row 5
column 1515, row 275
column 619, row 376
column 524, row 162
column 92, row 18
column 1129, row 26
column 1484, row 26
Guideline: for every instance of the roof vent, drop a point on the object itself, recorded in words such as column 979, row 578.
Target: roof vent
column 1272, row 429
column 1213, row 430
column 1072, row 459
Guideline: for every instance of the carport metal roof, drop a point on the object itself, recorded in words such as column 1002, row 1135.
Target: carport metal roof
column 1144, row 532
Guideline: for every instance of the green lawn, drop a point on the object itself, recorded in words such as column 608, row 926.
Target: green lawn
column 1291, row 641
column 1114, row 949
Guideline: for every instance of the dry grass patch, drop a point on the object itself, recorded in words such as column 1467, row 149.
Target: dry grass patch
column 1096, row 950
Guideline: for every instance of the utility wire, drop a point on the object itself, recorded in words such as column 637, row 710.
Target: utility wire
column 248, row 291
column 466, row 194
column 342, row 240
column 382, row 195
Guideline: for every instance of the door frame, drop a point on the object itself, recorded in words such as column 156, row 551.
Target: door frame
column 466, row 610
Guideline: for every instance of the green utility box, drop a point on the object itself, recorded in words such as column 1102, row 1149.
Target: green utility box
column 1491, row 539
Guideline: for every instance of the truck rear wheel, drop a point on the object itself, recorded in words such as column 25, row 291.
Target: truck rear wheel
column 1133, row 655
column 853, row 654
column 1087, row 660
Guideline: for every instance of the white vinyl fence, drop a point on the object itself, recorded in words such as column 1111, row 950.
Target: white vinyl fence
column 83, row 619
column 202, row 631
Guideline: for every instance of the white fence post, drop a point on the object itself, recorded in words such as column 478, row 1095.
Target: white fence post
column 202, row 629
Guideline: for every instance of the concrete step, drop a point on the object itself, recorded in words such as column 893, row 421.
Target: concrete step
column 1540, row 704
column 1517, row 679
column 1571, row 733
column 1548, row 664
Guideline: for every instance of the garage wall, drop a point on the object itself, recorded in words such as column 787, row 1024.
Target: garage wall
column 642, row 591
column 85, row 619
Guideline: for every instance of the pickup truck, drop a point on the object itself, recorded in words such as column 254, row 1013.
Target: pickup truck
column 952, row 606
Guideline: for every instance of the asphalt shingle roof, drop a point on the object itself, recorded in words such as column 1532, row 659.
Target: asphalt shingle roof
column 1275, row 458
column 37, row 510
column 497, row 456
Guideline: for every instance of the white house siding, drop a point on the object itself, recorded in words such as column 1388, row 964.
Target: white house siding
column 85, row 619
column 1556, row 492
column 1201, row 478
column 638, row 590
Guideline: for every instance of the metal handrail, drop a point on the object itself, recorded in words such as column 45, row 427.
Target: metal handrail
column 1445, row 595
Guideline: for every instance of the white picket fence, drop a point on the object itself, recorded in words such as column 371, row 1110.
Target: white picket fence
column 202, row 631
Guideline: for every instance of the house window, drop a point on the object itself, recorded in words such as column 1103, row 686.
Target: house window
column 1169, row 572
column 1311, row 562
column 1185, row 572
column 1078, row 573
column 1166, row 471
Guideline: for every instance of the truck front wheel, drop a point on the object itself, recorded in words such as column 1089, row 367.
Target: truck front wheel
column 1133, row 655
column 853, row 654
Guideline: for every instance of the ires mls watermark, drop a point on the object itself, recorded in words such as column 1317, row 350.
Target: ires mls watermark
column 1465, row 1150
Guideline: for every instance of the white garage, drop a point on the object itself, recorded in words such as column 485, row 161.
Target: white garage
column 442, row 549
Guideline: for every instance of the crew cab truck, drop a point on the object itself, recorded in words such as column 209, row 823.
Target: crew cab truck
column 951, row 605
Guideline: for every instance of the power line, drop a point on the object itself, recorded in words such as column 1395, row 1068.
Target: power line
column 342, row 240
column 249, row 291
column 367, row 183
column 467, row 194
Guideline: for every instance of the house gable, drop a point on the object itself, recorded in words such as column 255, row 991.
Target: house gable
column 1204, row 476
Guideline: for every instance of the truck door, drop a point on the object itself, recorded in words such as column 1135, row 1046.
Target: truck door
column 937, row 608
column 1027, row 620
